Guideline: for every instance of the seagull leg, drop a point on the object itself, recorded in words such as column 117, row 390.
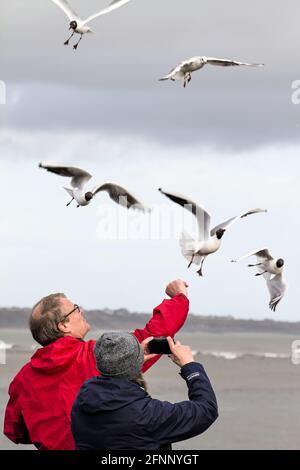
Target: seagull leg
column 76, row 45
column 189, row 77
column 260, row 274
column 201, row 265
column 70, row 202
column 191, row 261
column 66, row 43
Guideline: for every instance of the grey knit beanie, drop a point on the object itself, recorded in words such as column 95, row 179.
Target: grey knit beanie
column 119, row 354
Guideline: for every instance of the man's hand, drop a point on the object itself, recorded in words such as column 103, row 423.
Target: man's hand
column 176, row 287
column 181, row 354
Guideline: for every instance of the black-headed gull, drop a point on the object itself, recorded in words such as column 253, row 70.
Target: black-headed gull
column 271, row 269
column 209, row 240
column 80, row 26
column 83, row 197
column 183, row 71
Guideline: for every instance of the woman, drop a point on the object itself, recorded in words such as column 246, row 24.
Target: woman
column 114, row 411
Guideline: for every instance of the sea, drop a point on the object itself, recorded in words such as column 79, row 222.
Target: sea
column 255, row 377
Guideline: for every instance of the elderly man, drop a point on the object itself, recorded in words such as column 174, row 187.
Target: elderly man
column 43, row 392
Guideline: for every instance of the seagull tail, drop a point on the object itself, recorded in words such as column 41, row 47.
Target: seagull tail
column 69, row 191
column 187, row 244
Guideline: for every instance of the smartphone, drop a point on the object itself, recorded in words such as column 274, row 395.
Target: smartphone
column 159, row 345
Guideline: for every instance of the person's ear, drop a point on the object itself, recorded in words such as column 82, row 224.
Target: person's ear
column 63, row 327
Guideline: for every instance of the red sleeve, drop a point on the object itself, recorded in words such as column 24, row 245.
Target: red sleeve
column 14, row 426
column 166, row 320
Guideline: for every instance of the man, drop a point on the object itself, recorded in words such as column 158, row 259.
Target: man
column 115, row 412
column 42, row 393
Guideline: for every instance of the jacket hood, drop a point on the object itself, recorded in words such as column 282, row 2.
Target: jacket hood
column 57, row 355
column 108, row 394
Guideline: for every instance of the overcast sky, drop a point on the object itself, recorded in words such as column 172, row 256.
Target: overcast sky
column 230, row 140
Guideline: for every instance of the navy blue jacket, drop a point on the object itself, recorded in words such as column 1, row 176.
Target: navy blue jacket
column 115, row 413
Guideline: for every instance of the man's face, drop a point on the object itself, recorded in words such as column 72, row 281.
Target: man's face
column 75, row 324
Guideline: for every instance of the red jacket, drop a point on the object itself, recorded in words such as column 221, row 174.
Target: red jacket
column 42, row 393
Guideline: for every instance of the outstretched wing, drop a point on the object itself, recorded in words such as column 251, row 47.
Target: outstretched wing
column 229, row 222
column 112, row 6
column 121, row 196
column 262, row 253
column 277, row 287
column 229, row 62
column 79, row 177
column 202, row 216
column 65, row 7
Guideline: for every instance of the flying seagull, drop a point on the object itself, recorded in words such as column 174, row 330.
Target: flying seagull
column 80, row 26
column 83, row 196
column 183, row 71
column 209, row 240
column 271, row 269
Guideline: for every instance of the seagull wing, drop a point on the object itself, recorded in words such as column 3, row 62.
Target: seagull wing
column 65, row 7
column 112, row 6
column 231, row 221
column 120, row 196
column 262, row 253
column 202, row 216
column 228, row 62
column 79, row 177
column 277, row 287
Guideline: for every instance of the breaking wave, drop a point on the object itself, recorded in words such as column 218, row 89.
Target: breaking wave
column 230, row 355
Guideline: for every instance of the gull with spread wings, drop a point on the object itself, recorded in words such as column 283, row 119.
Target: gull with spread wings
column 79, row 25
column 183, row 71
column 79, row 192
column 209, row 240
column 271, row 269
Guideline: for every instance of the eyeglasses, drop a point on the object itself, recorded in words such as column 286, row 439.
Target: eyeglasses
column 76, row 307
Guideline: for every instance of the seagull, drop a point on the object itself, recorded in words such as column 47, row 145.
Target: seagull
column 209, row 240
column 80, row 26
column 183, row 71
column 271, row 269
column 83, row 197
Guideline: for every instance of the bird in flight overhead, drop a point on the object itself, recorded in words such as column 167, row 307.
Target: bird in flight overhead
column 83, row 196
column 271, row 269
column 183, row 71
column 79, row 25
column 209, row 240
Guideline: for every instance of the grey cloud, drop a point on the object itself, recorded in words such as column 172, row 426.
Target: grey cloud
column 111, row 84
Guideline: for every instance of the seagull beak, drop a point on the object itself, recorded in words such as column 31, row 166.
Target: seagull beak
column 70, row 27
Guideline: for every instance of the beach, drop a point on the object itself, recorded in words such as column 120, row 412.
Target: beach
column 256, row 385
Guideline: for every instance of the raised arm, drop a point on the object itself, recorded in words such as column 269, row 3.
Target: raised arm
column 168, row 317
column 186, row 419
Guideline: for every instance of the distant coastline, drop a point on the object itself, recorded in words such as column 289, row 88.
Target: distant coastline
column 123, row 319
